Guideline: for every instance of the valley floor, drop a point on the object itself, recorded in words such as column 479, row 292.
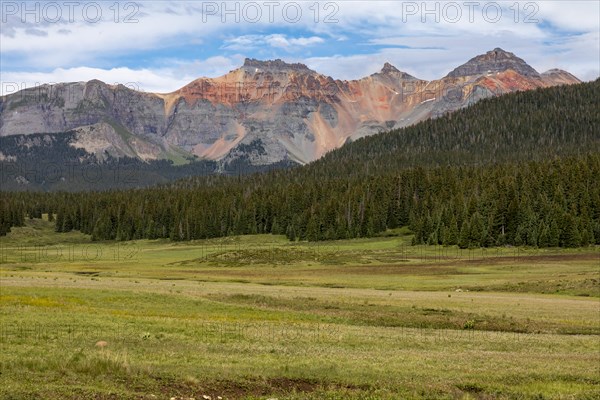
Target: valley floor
column 258, row 317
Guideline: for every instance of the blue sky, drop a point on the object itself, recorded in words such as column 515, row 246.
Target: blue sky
column 161, row 46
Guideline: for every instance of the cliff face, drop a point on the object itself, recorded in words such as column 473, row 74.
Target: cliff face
column 265, row 111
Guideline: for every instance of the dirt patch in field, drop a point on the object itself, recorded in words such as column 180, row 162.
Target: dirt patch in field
column 407, row 269
column 159, row 388
column 255, row 387
column 429, row 264
column 532, row 258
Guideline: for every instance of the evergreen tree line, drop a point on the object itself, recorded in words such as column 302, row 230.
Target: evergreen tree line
column 544, row 203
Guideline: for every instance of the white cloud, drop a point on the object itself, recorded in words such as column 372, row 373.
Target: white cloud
column 249, row 42
column 63, row 44
column 160, row 81
column 565, row 36
column 210, row 67
column 571, row 15
column 302, row 41
column 158, row 25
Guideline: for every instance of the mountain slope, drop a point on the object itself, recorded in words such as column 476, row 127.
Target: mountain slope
column 263, row 112
column 526, row 126
column 520, row 169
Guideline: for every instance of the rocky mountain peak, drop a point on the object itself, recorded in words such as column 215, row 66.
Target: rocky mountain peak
column 277, row 65
column 497, row 60
column 389, row 70
column 556, row 71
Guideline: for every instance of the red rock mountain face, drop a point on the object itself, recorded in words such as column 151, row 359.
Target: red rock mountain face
column 264, row 111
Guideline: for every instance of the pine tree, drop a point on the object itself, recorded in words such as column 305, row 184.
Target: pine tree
column 291, row 233
column 452, row 234
column 554, row 235
column 477, row 231
column 464, row 238
column 544, row 237
column 59, row 223
column 570, row 234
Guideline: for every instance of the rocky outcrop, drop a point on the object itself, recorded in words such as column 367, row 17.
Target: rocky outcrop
column 494, row 61
column 264, row 111
column 104, row 140
column 274, row 65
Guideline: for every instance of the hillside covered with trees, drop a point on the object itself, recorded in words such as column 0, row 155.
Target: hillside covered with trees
column 521, row 169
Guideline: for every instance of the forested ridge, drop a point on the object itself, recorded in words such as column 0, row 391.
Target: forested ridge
column 49, row 162
column 524, row 126
column 521, row 169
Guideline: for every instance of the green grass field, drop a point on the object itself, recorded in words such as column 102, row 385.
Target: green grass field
column 258, row 317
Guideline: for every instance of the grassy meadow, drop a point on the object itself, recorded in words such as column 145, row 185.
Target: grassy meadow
column 259, row 317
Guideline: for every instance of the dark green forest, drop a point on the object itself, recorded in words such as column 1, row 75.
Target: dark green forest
column 48, row 162
column 520, row 169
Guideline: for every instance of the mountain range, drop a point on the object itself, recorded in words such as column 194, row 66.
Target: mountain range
column 264, row 112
